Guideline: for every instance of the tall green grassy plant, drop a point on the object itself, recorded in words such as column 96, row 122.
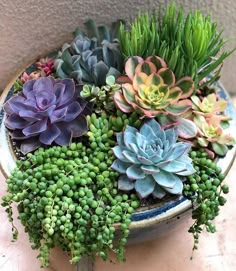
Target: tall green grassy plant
column 191, row 46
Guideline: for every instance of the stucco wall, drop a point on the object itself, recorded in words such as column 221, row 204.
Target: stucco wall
column 31, row 28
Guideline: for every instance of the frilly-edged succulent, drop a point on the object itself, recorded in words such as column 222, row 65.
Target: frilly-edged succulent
column 211, row 133
column 102, row 97
column 209, row 105
column 90, row 59
column 150, row 88
column 151, row 161
column 46, row 111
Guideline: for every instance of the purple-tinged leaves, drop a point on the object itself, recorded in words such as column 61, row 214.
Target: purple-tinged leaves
column 48, row 111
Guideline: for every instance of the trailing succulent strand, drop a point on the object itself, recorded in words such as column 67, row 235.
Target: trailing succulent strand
column 91, row 57
column 68, row 197
column 46, row 111
column 150, row 88
column 190, row 45
column 205, row 188
column 151, row 161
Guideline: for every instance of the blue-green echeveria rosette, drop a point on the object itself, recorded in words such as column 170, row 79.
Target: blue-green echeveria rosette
column 151, row 161
column 46, row 111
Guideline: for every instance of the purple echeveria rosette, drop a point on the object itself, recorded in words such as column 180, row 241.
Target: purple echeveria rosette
column 46, row 111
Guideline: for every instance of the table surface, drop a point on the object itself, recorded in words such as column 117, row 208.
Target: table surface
column 171, row 252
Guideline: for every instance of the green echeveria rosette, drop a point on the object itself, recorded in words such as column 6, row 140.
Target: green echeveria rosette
column 151, row 161
column 91, row 57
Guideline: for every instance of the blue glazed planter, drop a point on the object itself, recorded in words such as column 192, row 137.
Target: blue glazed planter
column 149, row 222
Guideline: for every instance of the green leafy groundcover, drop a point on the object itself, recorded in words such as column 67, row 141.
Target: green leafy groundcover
column 120, row 117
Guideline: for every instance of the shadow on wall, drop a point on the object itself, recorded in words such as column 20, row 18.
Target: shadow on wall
column 29, row 29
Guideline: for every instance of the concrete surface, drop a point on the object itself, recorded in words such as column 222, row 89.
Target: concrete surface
column 32, row 28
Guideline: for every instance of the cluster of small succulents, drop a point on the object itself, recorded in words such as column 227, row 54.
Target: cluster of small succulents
column 120, row 115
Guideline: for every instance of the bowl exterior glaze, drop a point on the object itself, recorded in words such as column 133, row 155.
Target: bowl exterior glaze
column 147, row 223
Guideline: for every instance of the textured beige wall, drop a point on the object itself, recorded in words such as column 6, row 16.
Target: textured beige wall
column 31, row 28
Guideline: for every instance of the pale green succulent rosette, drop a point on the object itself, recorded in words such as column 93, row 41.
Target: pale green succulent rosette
column 151, row 161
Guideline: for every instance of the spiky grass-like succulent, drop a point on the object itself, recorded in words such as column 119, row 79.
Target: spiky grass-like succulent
column 151, row 161
column 190, row 45
column 150, row 89
column 46, row 111
column 91, row 57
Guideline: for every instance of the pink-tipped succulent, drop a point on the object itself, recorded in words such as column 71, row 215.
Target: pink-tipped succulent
column 211, row 133
column 209, row 105
column 32, row 76
column 150, row 88
column 46, row 66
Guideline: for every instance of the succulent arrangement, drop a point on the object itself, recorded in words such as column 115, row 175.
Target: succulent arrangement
column 122, row 116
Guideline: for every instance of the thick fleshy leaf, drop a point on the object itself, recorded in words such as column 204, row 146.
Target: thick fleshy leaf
column 121, row 103
column 131, row 65
column 146, row 67
column 189, row 169
column 144, row 160
column 73, row 110
column 48, row 136
column 186, row 128
column 120, row 138
column 125, row 184
column 219, row 148
column 134, row 172
column 15, row 105
column 30, row 116
column 187, row 86
column 145, row 113
column 64, row 139
column 58, row 115
column 171, row 136
column 59, row 90
column 177, row 189
column 179, row 108
column 36, row 128
column 129, row 138
column 175, row 94
column 144, row 187
column 130, row 156
column 150, row 169
column 177, row 151
column 174, row 167
column 45, row 99
column 28, row 87
column 155, row 126
column 69, row 92
column 167, row 76
column 129, row 93
column 157, row 61
column 30, row 145
column 165, row 179
column 43, row 84
column 153, row 80
column 15, row 122
column 78, row 126
column 118, row 152
column 158, row 192
column 120, row 166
